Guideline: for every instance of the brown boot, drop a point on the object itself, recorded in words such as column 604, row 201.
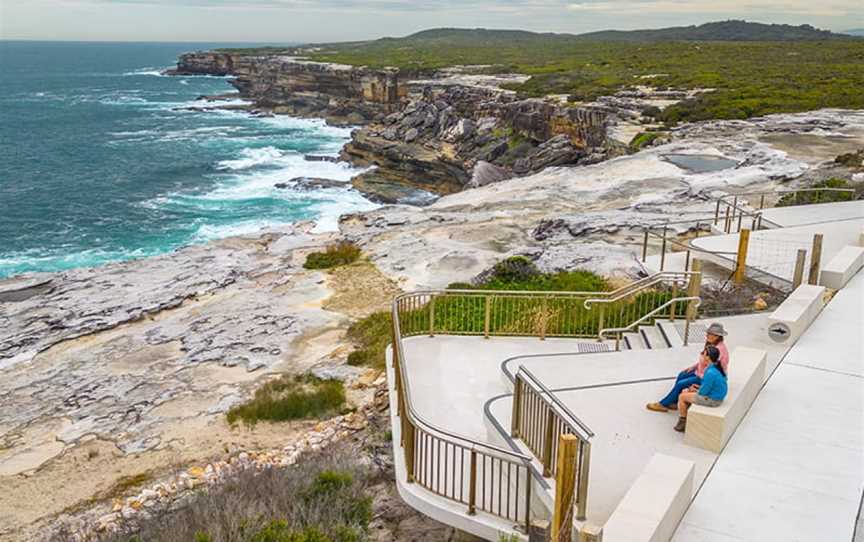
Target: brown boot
column 656, row 407
column 681, row 425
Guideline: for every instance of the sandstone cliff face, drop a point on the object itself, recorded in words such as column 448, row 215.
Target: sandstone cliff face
column 283, row 84
column 437, row 141
column 422, row 138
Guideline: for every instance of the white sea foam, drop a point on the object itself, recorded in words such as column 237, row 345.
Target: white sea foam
column 252, row 158
column 151, row 71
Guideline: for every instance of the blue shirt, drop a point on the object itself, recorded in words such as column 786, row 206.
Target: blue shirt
column 713, row 384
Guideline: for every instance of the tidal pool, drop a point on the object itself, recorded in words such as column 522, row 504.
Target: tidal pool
column 700, row 163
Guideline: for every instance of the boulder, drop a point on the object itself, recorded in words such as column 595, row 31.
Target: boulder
column 485, row 173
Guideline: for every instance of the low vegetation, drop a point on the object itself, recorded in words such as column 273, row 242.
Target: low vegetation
column 748, row 78
column 323, row 498
column 643, row 139
column 826, row 196
column 371, row 335
column 341, row 253
column 291, row 398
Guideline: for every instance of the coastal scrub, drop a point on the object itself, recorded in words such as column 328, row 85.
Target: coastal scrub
column 322, row 498
column 291, row 398
column 341, row 253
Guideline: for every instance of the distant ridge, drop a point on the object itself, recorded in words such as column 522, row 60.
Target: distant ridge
column 733, row 30
column 854, row 32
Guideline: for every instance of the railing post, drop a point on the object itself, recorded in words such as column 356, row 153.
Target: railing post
column 717, row 211
column 409, row 446
column 432, row 315
column 527, row 499
column 726, row 221
column 798, row 276
column 761, row 202
column 565, row 480
column 741, row 264
column 516, row 416
column 582, row 489
column 487, row 316
column 815, row 259
column 548, row 438
column 645, row 246
column 663, row 249
column 472, row 484
column 543, row 316
column 693, row 289
column 734, row 210
column 601, row 320
column 672, row 306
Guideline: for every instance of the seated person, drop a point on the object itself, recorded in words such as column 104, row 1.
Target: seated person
column 693, row 375
column 710, row 393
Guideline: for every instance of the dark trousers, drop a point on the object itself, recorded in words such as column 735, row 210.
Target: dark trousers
column 685, row 380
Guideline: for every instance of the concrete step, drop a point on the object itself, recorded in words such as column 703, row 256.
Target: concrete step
column 670, row 332
column 653, row 337
column 634, row 341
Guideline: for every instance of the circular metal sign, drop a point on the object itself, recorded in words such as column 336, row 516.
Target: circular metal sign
column 779, row 332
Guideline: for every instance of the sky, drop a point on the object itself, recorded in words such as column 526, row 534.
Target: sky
column 307, row 21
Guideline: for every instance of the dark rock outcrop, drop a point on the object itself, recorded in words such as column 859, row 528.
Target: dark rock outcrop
column 437, row 141
column 344, row 95
column 422, row 140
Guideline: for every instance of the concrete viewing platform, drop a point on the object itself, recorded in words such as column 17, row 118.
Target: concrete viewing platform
column 782, row 459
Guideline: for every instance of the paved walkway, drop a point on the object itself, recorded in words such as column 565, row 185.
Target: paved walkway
column 774, row 251
column 800, row 215
column 794, row 469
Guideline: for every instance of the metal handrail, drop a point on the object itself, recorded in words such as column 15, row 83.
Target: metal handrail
column 565, row 412
column 414, row 441
column 695, row 299
column 540, row 419
column 426, row 424
column 644, row 284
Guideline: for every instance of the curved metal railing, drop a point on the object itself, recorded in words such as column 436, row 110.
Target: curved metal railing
column 481, row 476
column 485, row 477
column 539, row 419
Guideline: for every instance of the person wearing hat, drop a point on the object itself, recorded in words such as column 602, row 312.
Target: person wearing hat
column 691, row 377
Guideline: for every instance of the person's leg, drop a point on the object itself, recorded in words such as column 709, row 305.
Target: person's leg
column 684, row 401
column 680, row 385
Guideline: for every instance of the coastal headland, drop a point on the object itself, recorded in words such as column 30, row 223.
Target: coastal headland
column 126, row 371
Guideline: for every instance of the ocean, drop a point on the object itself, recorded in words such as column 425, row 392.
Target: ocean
column 103, row 159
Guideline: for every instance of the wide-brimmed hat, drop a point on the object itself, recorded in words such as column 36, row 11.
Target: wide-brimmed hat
column 716, row 329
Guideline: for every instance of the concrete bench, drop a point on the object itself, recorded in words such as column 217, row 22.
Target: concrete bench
column 711, row 427
column 795, row 315
column 842, row 267
column 654, row 505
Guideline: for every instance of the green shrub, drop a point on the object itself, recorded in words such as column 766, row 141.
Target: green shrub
column 291, row 398
column 342, row 253
column 370, row 335
column 643, row 139
column 805, row 198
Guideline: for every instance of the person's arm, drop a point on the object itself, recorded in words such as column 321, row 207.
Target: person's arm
column 707, row 383
column 724, row 358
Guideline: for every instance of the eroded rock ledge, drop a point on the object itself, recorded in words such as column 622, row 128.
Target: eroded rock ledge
column 422, row 136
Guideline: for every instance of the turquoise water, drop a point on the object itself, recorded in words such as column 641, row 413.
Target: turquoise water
column 102, row 160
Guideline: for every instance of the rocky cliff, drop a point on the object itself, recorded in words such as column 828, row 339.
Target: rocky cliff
column 344, row 95
column 424, row 138
column 450, row 138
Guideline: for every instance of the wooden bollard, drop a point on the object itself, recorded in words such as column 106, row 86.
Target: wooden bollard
column 815, row 259
column 741, row 264
column 565, row 488
column 798, row 275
